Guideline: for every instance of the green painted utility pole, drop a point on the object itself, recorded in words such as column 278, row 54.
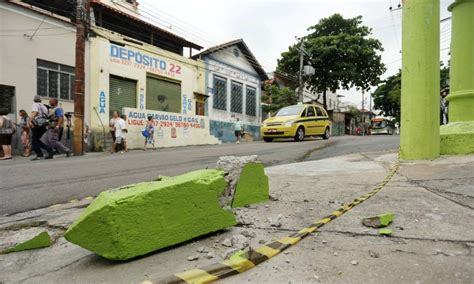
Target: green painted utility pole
column 457, row 137
column 419, row 135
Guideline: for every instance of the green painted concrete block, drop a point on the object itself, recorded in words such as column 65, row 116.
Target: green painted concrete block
column 138, row 219
column 457, row 138
column 385, row 232
column 379, row 221
column 41, row 240
column 252, row 186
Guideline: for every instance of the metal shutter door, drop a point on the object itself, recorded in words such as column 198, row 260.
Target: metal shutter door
column 123, row 93
column 163, row 95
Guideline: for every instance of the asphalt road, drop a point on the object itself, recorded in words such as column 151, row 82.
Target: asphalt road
column 27, row 185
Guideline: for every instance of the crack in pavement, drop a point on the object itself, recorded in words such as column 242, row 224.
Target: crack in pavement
column 52, row 271
column 461, row 242
column 441, row 195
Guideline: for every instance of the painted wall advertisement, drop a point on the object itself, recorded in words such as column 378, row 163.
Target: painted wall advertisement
column 171, row 129
column 144, row 61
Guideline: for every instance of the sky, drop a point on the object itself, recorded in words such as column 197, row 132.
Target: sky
column 269, row 27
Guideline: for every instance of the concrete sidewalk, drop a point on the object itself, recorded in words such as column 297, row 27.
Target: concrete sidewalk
column 432, row 240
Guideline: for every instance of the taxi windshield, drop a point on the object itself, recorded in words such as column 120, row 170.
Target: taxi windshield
column 290, row 110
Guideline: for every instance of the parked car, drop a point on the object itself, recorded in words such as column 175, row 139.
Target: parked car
column 297, row 121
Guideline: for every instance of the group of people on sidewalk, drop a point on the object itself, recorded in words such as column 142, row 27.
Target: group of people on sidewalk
column 44, row 126
column 118, row 131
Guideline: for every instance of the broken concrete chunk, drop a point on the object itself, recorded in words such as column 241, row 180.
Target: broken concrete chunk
column 385, row 232
column 276, row 222
column 252, row 186
column 26, row 239
column 203, row 249
column 240, row 241
column 141, row 218
column 374, row 254
column 248, row 234
column 227, row 243
column 378, row 221
column 193, row 257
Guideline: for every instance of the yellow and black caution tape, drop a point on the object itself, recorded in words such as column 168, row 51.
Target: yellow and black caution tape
column 242, row 262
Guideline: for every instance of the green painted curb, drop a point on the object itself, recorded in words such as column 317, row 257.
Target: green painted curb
column 252, row 186
column 41, row 240
column 138, row 219
column 457, row 138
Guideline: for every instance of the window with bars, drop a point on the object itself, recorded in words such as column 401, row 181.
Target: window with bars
column 220, row 93
column 236, row 97
column 251, row 101
column 54, row 80
column 7, row 98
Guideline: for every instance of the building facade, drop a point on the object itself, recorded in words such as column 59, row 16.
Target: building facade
column 131, row 66
column 37, row 56
column 233, row 84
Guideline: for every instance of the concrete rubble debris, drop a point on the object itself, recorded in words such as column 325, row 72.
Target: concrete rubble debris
column 210, row 255
column 354, row 262
column 248, row 234
column 135, row 220
column 228, row 253
column 276, row 222
column 374, row 254
column 227, row 243
column 193, row 257
column 379, row 221
column 203, row 249
column 240, row 242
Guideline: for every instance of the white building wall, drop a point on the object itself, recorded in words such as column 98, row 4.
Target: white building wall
column 54, row 41
column 221, row 64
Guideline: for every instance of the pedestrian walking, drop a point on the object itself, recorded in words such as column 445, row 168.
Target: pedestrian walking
column 120, row 143
column 25, row 132
column 38, row 122
column 56, row 122
column 7, row 130
column 150, row 133
column 238, row 130
column 115, row 116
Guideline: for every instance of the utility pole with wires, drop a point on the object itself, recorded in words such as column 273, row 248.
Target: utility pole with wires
column 82, row 13
column 301, row 83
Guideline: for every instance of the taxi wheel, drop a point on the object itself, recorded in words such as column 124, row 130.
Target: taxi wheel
column 267, row 139
column 299, row 136
column 326, row 134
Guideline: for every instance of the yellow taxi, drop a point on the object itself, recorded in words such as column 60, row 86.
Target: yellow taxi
column 297, row 121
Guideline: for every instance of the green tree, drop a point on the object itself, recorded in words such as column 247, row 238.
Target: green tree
column 277, row 97
column 387, row 95
column 342, row 53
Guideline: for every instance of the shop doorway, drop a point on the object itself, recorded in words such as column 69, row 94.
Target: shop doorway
column 122, row 93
